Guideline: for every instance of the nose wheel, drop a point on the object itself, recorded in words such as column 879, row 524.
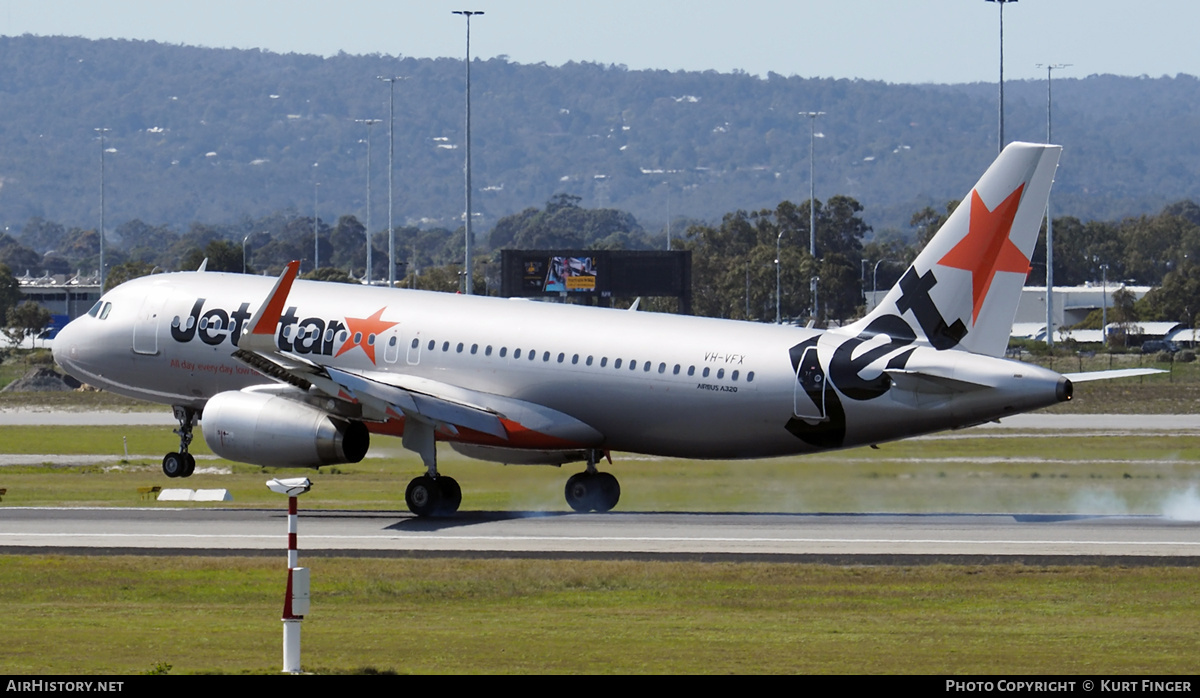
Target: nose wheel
column 181, row 464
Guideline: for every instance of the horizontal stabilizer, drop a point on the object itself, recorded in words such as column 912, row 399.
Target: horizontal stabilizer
column 1114, row 373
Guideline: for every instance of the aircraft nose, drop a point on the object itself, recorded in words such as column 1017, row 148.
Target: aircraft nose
column 66, row 346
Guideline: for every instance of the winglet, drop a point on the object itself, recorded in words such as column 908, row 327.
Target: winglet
column 259, row 333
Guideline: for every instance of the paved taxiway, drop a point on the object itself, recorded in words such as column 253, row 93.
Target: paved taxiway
column 843, row 537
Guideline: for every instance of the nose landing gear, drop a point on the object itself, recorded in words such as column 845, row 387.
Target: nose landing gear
column 181, row 464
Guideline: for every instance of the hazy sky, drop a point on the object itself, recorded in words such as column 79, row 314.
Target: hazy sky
column 916, row 41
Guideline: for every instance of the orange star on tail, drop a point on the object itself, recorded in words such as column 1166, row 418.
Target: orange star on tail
column 986, row 248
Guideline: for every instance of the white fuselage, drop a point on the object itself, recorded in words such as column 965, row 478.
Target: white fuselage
column 648, row 382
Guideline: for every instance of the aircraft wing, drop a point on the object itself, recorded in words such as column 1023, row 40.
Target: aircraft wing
column 380, row 396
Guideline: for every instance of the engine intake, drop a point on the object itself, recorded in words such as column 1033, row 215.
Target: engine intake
column 269, row 430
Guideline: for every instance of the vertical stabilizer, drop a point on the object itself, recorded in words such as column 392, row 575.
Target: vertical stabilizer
column 962, row 291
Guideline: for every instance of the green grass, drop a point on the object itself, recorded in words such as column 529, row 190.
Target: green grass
column 973, row 471
column 525, row 616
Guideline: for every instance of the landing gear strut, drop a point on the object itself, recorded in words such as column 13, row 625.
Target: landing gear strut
column 430, row 494
column 593, row 490
column 181, row 464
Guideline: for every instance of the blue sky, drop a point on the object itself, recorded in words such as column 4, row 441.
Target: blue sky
column 920, row 41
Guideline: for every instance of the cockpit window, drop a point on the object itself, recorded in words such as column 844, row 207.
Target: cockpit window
column 105, row 310
column 95, row 309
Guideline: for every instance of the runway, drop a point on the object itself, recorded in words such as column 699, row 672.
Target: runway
column 841, row 538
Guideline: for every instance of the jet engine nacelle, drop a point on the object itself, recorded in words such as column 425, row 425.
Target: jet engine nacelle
column 268, row 430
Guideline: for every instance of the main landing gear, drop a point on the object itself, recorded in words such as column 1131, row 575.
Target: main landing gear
column 593, row 490
column 433, row 495
column 181, row 464
column 430, row 494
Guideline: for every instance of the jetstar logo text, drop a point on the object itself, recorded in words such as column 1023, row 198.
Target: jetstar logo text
column 310, row 335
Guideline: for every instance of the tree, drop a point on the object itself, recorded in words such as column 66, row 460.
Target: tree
column 10, row 293
column 331, row 274
column 222, row 255
column 126, row 271
column 928, row 221
column 26, row 320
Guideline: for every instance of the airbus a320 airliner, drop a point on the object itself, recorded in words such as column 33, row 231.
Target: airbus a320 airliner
column 295, row 373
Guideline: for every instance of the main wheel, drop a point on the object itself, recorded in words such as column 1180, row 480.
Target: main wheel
column 581, row 492
column 189, row 465
column 174, row 465
column 423, row 496
column 609, row 494
column 451, row 495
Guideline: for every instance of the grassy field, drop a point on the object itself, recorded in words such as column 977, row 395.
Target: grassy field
column 129, row 615
column 125, row 615
column 973, row 471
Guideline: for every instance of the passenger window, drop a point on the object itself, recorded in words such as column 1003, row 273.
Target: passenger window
column 662, row 368
column 545, row 356
column 517, row 353
column 720, row 373
column 706, row 371
column 750, row 377
column 734, row 375
column 503, row 352
column 445, row 346
column 617, row 363
column 488, row 350
column 575, row 359
column 589, row 361
column 370, row 338
column 691, row 370
column 474, row 348
column 633, row 365
column 432, row 344
column 459, row 348
column 603, row 361
column 676, row 370
column 561, row 356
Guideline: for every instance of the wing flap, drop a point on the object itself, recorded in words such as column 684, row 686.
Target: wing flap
column 434, row 408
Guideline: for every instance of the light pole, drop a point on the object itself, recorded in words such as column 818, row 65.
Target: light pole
column 812, row 201
column 244, row 252
column 1001, row 3
column 102, row 131
column 1104, row 302
column 369, row 123
column 1049, row 219
column 778, row 317
column 316, row 224
column 467, row 286
column 668, row 215
column 391, row 155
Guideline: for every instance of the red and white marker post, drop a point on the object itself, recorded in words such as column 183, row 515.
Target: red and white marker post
column 295, row 600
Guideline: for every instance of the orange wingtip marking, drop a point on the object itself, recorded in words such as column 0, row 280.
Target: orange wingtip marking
column 274, row 307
